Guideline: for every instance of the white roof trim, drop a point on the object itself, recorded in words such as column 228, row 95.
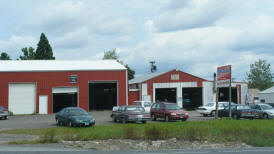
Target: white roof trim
column 146, row 77
column 58, row 65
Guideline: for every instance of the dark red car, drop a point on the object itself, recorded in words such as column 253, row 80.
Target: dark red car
column 167, row 111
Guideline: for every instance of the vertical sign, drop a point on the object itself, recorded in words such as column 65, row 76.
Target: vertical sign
column 223, row 76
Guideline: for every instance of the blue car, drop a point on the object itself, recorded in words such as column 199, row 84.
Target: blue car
column 74, row 116
column 4, row 113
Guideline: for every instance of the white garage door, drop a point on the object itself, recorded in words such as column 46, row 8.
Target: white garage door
column 22, row 98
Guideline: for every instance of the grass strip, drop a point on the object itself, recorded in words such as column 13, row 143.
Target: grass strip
column 253, row 132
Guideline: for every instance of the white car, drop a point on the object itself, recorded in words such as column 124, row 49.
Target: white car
column 144, row 104
column 210, row 108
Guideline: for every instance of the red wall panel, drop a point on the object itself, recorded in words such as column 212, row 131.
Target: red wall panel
column 45, row 81
column 133, row 96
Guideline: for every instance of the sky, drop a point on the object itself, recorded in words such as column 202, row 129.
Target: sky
column 195, row 36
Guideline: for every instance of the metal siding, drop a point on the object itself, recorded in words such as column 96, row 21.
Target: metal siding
column 47, row 80
column 207, row 92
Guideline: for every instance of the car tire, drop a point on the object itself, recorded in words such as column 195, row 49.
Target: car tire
column 183, row 119
column 234, row 116
column 5, row 118
column 153, row 117
column 265, row 116
column 144, row 121
column 167, row 119
column 213, row 113
column 205, row 115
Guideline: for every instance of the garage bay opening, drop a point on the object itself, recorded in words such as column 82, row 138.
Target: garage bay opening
column 192, row 97
column 166, row 95
column 224, row 94
column 102, row 95
column 62, row 100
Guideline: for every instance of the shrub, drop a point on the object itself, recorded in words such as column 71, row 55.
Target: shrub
column 155, row 132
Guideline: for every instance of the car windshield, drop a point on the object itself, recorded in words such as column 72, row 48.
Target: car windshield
column 209, row 104
column 266, row 107
column 240, row 107
column 172, row 107
column 147, row 104
column 135, row 109
column 76, row 112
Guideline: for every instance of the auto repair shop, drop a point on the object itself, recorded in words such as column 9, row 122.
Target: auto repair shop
column 185, row 89
column 46, row 86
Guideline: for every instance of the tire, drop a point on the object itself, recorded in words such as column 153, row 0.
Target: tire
column 153, row 117
column 265, row 116
column 6, row 117
column 205, row 115
column 234, row 116
column 167, row 119
column 213, row 113
column 251, row 118
column 183, row 119
column 144, row 121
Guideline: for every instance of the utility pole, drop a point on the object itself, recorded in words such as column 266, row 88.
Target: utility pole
column 230, row 114
column 153, row 67
column 216, row 89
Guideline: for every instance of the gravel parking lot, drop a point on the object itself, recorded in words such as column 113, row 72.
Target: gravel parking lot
column 47, row 121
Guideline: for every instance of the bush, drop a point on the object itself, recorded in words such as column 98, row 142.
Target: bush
column 49, row 137
column 155, row 132
column 129, row 132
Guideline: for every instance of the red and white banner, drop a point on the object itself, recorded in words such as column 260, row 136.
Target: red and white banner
column 223, row 76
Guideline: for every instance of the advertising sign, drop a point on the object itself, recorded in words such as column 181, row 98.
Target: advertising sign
column 223, row 76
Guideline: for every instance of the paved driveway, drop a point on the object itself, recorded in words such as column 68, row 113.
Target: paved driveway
column 46, row 121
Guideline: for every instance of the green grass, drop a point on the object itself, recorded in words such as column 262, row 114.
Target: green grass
column 252, row 132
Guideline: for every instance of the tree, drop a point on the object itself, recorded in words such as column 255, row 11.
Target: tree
column 112, row 55
column 4, row 56
column 44, row 50
column 29, row 54
column 259, row 75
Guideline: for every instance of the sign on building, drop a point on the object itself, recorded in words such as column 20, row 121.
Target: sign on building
column 223, row 76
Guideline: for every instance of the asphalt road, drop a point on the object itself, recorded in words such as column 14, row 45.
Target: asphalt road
column 47, row 121
column 55, row 149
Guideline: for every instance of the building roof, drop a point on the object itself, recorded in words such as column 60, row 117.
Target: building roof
column 146, row 77
column 58, row 65
column 269, row 90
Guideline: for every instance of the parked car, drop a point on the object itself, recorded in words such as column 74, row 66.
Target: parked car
column 265, row 111
column 210, row 108
column 4, row 113
column 145, row 104
column 239, row 111
column 168, row 111
column 131, row 113
column 74, row 116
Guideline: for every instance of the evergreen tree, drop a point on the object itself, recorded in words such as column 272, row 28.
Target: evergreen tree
column 29, row 54
column 44, row 50
column 4, row 56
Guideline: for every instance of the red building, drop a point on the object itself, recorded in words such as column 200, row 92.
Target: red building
column 187, row 90
column 46, row 86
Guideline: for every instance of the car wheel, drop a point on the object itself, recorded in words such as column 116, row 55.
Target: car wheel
column 183, row 119
column 5, row 118
column 70, row 124
column 205, row 115
column 265, row 116
column 153, row 117
column 235, row 116
column 167, row 119
column 144, row 122
column 213, row 113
